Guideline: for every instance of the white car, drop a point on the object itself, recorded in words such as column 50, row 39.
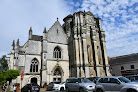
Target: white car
column 53, row 86
column 61, row 86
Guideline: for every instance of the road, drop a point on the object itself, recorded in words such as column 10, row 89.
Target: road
column 44, row 90
column 52, row 91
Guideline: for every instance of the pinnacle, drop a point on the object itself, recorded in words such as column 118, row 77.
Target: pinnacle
column 44, row 30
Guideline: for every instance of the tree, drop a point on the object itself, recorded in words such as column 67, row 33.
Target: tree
column 12, row 74
column 3, row 63
column 1, row 76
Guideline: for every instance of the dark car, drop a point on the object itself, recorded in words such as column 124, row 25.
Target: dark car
column 93, row 79
column 31, row 87
column 133, row 78
column 53, row 86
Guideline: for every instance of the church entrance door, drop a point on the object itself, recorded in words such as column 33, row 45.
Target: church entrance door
column 57, row 76
column 34, row 80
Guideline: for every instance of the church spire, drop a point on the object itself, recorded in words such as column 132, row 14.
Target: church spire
column 44, row 30
column 57, row 18
column 17, row 44
column 30, row 33
column 44, row 34
column 13, row 45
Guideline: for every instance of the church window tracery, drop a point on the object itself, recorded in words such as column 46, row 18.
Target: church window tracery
column 57, row 72
column 57, row 52
column 34, row 65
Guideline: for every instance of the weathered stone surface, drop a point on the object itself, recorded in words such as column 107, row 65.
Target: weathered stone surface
column 80, row 42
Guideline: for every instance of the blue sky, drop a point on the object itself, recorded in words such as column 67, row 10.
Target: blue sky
column 119, row 21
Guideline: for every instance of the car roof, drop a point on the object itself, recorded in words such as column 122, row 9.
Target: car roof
column 132, row 75
column 76, row 78
column 111, row 77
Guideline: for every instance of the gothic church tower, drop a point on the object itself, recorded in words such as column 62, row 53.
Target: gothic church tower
column 86, row 45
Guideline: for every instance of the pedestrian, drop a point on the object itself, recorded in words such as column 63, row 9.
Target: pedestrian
column 14, row 88
column 4, row 87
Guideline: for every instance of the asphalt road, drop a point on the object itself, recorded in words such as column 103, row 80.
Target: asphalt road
column 52, row 91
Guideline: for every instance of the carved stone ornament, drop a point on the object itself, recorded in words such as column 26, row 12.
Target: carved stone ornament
column 94, row 32
column 102, row 36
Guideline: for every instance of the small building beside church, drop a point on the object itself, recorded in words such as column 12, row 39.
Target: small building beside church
column 75, row 49
column 124, row 65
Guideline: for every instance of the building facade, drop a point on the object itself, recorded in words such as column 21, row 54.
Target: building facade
column 75, row 49
column 124, row 65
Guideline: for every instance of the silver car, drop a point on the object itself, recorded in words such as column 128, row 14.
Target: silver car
column 116, row 84
column 80, row 85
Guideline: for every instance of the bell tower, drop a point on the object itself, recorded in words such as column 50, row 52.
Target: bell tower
column 87, row 52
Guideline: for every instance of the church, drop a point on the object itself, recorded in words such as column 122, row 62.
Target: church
column 75, row 49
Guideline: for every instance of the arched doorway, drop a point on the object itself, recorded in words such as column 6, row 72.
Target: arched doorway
column 57, row 75
column 34, row 80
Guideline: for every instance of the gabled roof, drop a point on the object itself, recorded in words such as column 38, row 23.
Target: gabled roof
column 57, row 22
column 58, row 32
column 36, row 37
column 124, row 59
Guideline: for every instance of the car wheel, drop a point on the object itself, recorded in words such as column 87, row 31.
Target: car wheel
column 29, row 90
column 81, row 90
column 99, row 90
column 61, row 89
column 67, row 90
column 131, row 90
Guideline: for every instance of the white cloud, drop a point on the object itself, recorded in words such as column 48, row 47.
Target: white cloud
column 120, row 23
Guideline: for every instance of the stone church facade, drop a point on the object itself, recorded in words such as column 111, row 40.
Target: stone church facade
column 75, row 49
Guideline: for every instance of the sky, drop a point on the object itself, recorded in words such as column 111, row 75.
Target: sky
column 119, row 21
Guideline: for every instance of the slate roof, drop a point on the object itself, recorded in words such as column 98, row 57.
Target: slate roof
column 124, row 59
column 36, row 37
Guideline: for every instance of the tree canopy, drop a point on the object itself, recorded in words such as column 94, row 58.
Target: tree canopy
column 12, row 74
column 1, row 75
column 3, row 63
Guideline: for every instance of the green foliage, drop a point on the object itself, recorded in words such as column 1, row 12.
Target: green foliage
column 1, row 75
column 45, row 83
column 12, row 74
column 2, row 82
column 3, row 63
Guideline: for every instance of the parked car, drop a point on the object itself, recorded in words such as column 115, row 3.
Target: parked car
column 61, row 86
column 79, row 84
column 53, row 86
column 133, row 78
column 31, row 87
column 116, row 84
column 93, row 79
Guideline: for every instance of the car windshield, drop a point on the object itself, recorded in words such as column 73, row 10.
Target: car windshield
column 85, row 81
column 56, row 82
column 34, row 85
column 62, row 83
column 124, row 80
column 136, row 77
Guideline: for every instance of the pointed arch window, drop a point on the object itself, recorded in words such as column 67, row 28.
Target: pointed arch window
column 34, row 65
column 57, row 52
column 57, row 72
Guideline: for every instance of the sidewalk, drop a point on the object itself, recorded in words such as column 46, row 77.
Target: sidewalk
column 42, row 89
